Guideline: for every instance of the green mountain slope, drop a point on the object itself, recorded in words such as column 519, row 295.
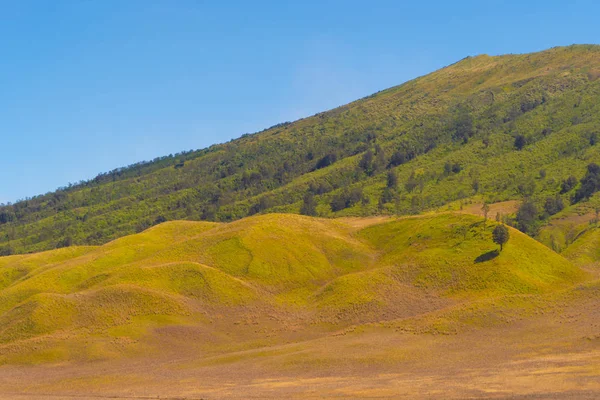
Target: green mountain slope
column 498, row 128
column 274, row 278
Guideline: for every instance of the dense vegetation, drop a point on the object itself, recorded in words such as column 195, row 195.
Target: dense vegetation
column 519, row 127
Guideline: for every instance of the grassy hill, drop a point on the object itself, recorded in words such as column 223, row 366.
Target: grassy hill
column 486, row 128
column 585, row 251
column 259, row 281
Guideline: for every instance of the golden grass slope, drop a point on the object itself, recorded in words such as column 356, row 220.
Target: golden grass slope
column 585, row 251
column 269, row 279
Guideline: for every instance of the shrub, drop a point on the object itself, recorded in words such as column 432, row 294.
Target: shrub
column 590, row 183
column 520, row 142
column 326, row 161
column 346, row 199
column 568, row 184
column 553, row 205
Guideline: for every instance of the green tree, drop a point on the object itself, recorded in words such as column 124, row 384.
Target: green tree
column 345, row 199
column 6, row 217
column 475, row 185
column 309, row 205
column 386, row 197
column 527, row 187
column 520, row 142
column 527, row 217
column 392, row 180
column 398, row 158
column 366, row 162
column 568, row 184
column 590, row 183
column 326, row 161
column 379, row 161
column 553, row 205
column 6, row 250
column 463, row 125
column 485, row 209
column 500, row 235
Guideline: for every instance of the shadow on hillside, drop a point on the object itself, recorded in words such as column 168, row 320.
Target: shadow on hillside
column 490, row 255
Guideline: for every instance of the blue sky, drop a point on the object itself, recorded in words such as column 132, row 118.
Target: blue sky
column 90, row 85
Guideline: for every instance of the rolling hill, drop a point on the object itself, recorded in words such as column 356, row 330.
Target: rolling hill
column 321, row 275
column 485, row 128
column 281, row 298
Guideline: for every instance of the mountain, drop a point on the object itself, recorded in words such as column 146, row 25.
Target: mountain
column 193, row 276
column 486, row 128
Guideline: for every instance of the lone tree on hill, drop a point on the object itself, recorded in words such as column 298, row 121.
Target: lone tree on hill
column 500, row 235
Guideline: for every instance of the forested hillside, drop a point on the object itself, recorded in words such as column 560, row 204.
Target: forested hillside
column 515, row 127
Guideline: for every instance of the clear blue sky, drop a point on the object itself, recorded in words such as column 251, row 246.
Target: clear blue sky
column 90, row 85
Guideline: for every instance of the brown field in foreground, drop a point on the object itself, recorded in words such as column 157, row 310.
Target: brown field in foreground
column 549, row 356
